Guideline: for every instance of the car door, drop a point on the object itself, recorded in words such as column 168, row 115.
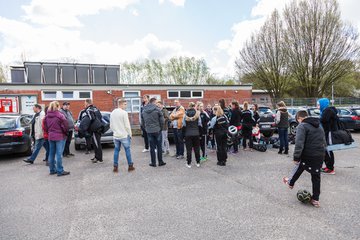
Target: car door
column 346, row 118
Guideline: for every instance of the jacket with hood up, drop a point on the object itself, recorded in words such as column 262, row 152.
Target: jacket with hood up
column 192, row 123
column 328, row 117
column 310, row 144
column 152, row 118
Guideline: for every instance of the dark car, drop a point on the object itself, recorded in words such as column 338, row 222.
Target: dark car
column 266, row 122
column 350, row 117
column 170, row 129
column 15, row 134
column 312, row 111
column 106, row 138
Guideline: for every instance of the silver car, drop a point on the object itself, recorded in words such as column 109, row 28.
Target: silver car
column 106, row 138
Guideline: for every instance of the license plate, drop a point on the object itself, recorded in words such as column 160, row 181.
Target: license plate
column 266, row 126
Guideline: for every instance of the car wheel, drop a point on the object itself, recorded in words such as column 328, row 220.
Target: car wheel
column 77, row 147
column 293, row 127
column 28, row 152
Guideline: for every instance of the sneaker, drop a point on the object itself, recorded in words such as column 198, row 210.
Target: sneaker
column 315, row 203
column 71, row 154
column 52, row 173
column 286, row 152
column 280, row 152
column 64, row 173
column 198, row 165
column 152, row 165
column 286, row 181
column 180, row 157
column 28, row 161
column 101, row 161
column 146, row 150
column 131, row 168
column 188, row 165
column 162, row 164
column 115, row 170
column 329, row 171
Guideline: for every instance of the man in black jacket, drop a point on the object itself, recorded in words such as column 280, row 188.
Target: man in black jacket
column 91, row 123
column 309, row 151
column 152, row 120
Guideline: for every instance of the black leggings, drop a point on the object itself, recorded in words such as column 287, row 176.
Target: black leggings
column 221, row 151
column 192, row 142
column 315, row 179
column 329, row 160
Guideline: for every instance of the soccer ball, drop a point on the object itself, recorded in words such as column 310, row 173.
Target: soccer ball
column 303, row 196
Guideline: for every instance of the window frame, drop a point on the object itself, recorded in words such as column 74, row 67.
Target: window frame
column 130, row 100
column 59, row 95
column 191, row 94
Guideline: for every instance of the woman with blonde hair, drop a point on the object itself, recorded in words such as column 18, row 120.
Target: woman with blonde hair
column 205, row 118
column 248, row 122
column 56, row 125
column 220, row 124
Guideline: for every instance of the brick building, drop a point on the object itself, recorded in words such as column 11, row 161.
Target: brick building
column 45, row 82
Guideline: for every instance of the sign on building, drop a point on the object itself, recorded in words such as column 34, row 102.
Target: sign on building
column 27, row 104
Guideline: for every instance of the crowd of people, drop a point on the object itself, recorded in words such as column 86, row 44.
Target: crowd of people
column 196, row 128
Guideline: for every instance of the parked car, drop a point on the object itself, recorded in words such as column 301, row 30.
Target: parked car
column 312, row 111
column 15, row 134
column 350, row 117
column 106, row 138
column 266, row 123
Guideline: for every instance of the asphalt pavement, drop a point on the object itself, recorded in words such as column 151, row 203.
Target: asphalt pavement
column 244, row 200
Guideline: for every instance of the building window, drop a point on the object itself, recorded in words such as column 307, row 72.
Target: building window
column 185, row 94
column 84, row 95
column 66, row 95
column 49, row 95
column 133, row 99
column 173, row 94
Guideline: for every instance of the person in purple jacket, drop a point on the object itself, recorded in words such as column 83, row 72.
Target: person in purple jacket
column 56, row 125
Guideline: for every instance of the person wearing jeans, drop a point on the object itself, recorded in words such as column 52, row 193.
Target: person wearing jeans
column 155, row 141
column 282, row 121
column 143, row 130
column 56, row 125
column 164, row 132
column 56, row 151
column 153, row 121
column 176, row 117
column 120, row 125
column 36, row 133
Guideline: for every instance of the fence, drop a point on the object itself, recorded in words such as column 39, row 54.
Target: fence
column 312, row 102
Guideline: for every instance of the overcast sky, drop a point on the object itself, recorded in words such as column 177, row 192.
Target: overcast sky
column 114, row 31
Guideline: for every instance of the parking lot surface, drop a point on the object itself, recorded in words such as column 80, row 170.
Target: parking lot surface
column 244, row 200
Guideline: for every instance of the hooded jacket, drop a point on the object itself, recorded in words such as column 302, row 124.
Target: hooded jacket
column 192, row 123
column 310, row 144
column 56, row 125
column 152, row 118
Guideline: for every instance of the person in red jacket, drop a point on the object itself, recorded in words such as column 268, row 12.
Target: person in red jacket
column 46, row 140
column 56, row 126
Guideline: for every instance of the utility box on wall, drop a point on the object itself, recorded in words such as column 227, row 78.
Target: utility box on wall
column 9, row 105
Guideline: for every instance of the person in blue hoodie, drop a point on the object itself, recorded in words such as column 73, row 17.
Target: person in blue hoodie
column 329, row 121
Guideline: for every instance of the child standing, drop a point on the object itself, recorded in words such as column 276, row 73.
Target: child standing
column 309, row 153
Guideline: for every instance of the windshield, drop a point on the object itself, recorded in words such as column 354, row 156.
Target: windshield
column 7, row 123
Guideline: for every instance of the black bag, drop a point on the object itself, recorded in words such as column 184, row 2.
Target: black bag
column 341, row 136
column 261, row 147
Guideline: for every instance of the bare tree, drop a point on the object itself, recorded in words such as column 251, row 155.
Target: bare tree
column 320, row 47
column 263, row 58
column 3, row 73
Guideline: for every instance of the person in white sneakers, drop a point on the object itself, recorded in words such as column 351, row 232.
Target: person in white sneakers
column 120, row 125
